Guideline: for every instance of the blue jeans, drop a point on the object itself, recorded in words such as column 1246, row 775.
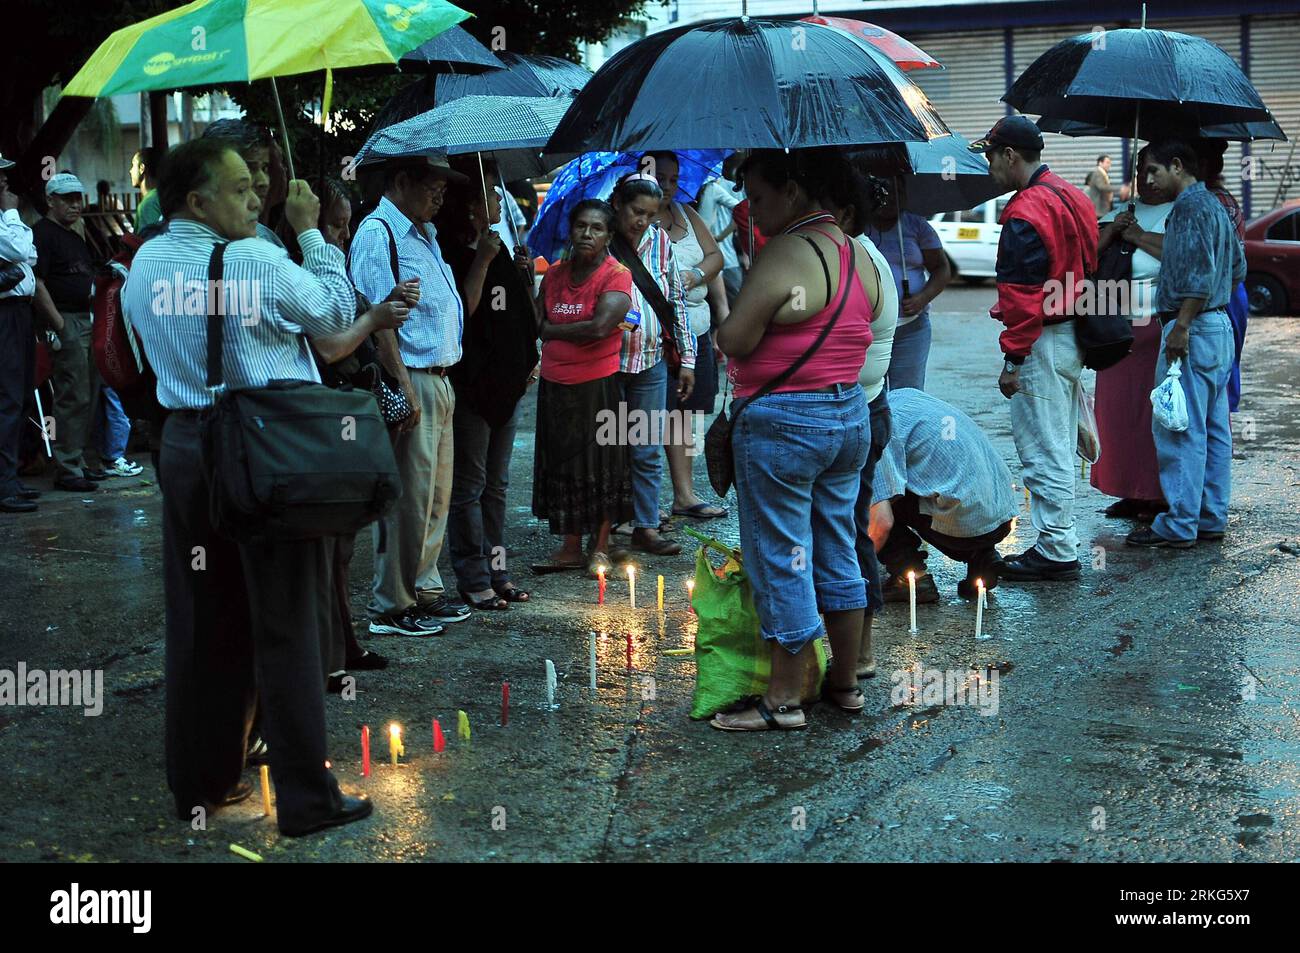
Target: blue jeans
column 112, row 428
column 799, row 460
column 476, row 520
column 1196, row 465
column 646, row 392
column 881, row 427
column 908, row 358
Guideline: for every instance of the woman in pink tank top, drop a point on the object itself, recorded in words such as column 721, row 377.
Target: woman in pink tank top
column 801, row 428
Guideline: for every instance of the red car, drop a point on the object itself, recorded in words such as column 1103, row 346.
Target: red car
column 1273, row 261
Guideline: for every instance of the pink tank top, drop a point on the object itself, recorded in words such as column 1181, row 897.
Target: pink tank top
column 840, row 357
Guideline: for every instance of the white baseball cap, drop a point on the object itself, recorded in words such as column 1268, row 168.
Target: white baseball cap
column 65, row 183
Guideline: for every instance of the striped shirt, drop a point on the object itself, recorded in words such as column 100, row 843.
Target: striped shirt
column 18, row 247
column 431, row 335
column 642, row 348
column 941, row 455
column 270, row 305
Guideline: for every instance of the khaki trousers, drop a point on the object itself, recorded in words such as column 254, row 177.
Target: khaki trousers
column 76, row 389
column 407, row 571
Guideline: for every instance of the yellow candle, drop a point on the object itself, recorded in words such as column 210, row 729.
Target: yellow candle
column 264, row 775
column 661, row 593
column 395, row 746
column 245, row 853
column 462, row 725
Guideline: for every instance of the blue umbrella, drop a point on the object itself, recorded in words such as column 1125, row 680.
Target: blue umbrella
column 594, row 175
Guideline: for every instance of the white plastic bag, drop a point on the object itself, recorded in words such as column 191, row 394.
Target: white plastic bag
column 1089, row 442
column 1168, row 402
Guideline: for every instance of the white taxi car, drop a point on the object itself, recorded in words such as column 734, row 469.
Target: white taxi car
column 970, row 238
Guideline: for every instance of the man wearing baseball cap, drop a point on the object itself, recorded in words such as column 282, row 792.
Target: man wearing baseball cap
column 1049, row 241
column 67, row 267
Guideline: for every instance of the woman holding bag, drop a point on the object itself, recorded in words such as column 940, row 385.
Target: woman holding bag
column 797, row 337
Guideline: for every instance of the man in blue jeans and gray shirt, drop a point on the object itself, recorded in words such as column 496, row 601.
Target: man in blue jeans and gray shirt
column 1203, row 261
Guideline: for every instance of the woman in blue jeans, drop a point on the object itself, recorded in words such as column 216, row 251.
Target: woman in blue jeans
column 498, row 358
column 797, row 337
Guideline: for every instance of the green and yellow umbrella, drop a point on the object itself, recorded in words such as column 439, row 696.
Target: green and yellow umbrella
column 215, row 42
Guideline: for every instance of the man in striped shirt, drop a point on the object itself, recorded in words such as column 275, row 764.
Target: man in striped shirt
column 397, row 244
column 242, row 619
column 939, row 480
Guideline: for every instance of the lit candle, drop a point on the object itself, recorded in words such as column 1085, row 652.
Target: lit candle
column 550, row 684
column 505, row 703
column 600, row 587
column 690, row 594
column 591, row 659
column 264, row 775
column 395, row 742
column 631, row 583
column 661, row 593
column 911, row 589
column 462, row 725
column 979, row 610
column 365, row 751
column 439, row 742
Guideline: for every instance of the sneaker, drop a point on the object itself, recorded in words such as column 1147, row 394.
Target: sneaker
column 400, row 623
column 439, row 612
column 896, row 589
column 1033, row 566
column 122, row 467
column 258, row 753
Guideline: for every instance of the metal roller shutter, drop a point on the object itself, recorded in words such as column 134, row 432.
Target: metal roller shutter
column 1273, row 54
column 967, row 90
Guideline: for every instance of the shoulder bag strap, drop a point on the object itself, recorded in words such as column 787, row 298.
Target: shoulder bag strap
column 645, row 282
column 392, row 251
column 786, row 374
column 216, row 314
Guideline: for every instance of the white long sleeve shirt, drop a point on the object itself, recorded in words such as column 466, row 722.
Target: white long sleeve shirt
column 17, row 246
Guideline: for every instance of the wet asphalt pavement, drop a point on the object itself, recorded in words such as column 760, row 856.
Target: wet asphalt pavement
column 1148, row 712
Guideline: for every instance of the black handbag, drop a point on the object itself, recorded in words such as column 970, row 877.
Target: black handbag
column 1104, row 339
column 293, row 460
column 718, row 458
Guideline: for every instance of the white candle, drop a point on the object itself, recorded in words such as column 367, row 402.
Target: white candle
column 550, row 684
column 911, row 589
column 631, row 583
column 591, row 660
column 979, row 610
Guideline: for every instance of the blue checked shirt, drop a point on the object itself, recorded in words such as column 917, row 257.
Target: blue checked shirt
column 271, row 303
column 431, row 335
column 942, row 456
column 642, row 348
column 1202, row 257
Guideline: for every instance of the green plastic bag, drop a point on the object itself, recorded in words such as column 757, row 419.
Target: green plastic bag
column 732, row 658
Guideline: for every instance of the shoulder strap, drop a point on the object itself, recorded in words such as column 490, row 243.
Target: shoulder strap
column 216, row 314
column 392, row 251
column 1070, row 208
column 822, row 258
column 786, row 374
column 627, row 256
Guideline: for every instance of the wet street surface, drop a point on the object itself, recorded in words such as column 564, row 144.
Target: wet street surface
column 1148, row 712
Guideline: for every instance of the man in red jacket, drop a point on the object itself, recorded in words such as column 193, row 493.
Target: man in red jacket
column 1048, row 245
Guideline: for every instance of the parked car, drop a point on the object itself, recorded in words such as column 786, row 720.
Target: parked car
column 970, row 238
column 1273, row 261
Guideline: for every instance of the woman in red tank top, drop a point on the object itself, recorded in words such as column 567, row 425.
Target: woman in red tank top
column 801, row 431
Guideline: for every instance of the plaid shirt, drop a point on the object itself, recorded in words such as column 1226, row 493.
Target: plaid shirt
column 642, row 348
column 943, row 457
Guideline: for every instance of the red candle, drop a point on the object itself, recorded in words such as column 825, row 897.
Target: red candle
column 365, row 751
column 600, row 587
column 629, row 651
column 505, row 703
column 439, row 743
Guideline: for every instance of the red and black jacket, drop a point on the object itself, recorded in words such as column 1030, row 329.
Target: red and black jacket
column 1042, row 241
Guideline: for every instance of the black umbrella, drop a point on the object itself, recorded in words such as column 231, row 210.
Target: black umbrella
column 746, row 83
column 1158, row 126
column 520, row 75
column 453, row 50
column 1109, row 79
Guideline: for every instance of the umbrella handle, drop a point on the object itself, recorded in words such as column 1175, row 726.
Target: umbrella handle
column 284, row 131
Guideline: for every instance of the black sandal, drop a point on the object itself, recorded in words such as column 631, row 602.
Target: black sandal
column 491, row 603
column 512, row 594
column 768, row 716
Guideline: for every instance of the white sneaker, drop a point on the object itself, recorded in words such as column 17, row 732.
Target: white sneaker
column 122, row 467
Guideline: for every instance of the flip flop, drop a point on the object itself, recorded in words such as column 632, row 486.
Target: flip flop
column 543, row 569
column 698, row 511
column 513, row 593
column 769, row 719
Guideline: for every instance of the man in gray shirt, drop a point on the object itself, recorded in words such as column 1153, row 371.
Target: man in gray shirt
column 941, row 481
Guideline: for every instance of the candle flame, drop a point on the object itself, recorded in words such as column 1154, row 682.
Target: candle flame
column 911, row 575
column 690, row 585
column 395, row 731
column 979, row 583
column 631, row 571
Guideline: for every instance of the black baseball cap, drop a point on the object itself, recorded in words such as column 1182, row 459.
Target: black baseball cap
column 1019, row 132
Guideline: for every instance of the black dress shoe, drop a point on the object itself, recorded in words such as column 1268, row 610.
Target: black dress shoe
column 27, row 493
column 75, row 484
column 238, row 794
column 1033, row 566
column 16, row 504
column 353, row 809
column 95, row 474
column 366, row 662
